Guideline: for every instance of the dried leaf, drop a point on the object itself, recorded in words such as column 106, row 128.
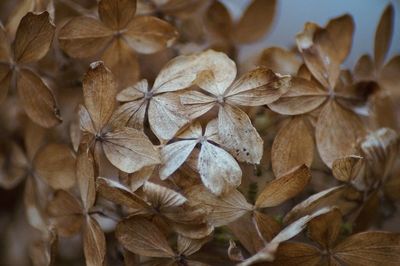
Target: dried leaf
column 94, row 243
column 37, row 99
column 283, row 188
column 129, row 149
column 256, row 21
column 142, row 237
column 292, row 146
column 337, row 132
column 383, row 35
column 33, row 38
column 55, row 164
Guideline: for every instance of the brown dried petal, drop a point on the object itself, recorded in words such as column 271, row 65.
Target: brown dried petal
column 37, row 99
column 341, row 30
column 94, row 243
column 84, row 37
column 55, row 164
column 280, row 60
column 142, row 237
column 337, row 132
column 116, row 14
column 219, row 20
column 5, row 80
column 325, row 228
column 149, row 35
column 292, row 146
column 347, row 168
column 86, row 178
column 255, row 22
column 162, row 197
column 370, row 248
column 383, row 35
column 99, row 91
column 34, row 37
column 297, row 254
column 283, row 188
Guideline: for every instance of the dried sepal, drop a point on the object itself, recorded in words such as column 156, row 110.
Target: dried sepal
column 94, row 242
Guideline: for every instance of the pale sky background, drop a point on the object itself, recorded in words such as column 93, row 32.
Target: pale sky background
column 292, row 14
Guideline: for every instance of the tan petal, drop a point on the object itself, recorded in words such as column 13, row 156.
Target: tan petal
column 84, row 37
column 258, row 87
column 55, row 164
column 238, row 135
column 280, row 60
column 117, row 14
column 343, row 197
column 85, row 121
column 149, row 35
column 142, row 237
column 5, row 80
column 222, row 210
column 303, row 96
column 348, row 168
column 166, row 116
column 66, row 213
column 325, row 228
column 319, row 54
column 99, row 91
column 122, row 61
column 297, row 254
column 337, row 132
column 260, row 13
column 134, row 92
column 162, row 197
column 94, row 243
column 284, row 188
column 187, row 246
column 390, row 76
column 364, row 69
column 383, row 35
column 86, row 178
column 266, row 225
column 119, row 194
column 341, row 30
column 219, row 21
column 370, row 248
column 197, row 103
column 174, row 155
column 37, row 99
column 292, row 146
column 131, row 114
column 129, row 149
column 218, row 170
column 34, row 37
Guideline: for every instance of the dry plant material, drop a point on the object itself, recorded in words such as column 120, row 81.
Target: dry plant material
column 187, row 154
column 116, row 36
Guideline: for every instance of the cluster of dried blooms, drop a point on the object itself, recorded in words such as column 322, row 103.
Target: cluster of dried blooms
column 129, row 138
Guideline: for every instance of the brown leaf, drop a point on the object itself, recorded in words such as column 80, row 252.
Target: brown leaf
column 224, row 209
column 55, row 164
column 142, row 237
column 37, row 99
column 303, row 96
column 84, row 37
column 255, row 22
column 99, row 92
column 283, row 188
column 86, row 178
column 119, row 194
column 116, row 14
column 341, row 30
column 292, row 146
column 66, row 213
column 370, row 248
column 325, row 228
column 337, row 132
column 129, row 149
column 260, row 86
column 149, row 35
column 383, row 35
column 94, row 243
column 34, row 37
